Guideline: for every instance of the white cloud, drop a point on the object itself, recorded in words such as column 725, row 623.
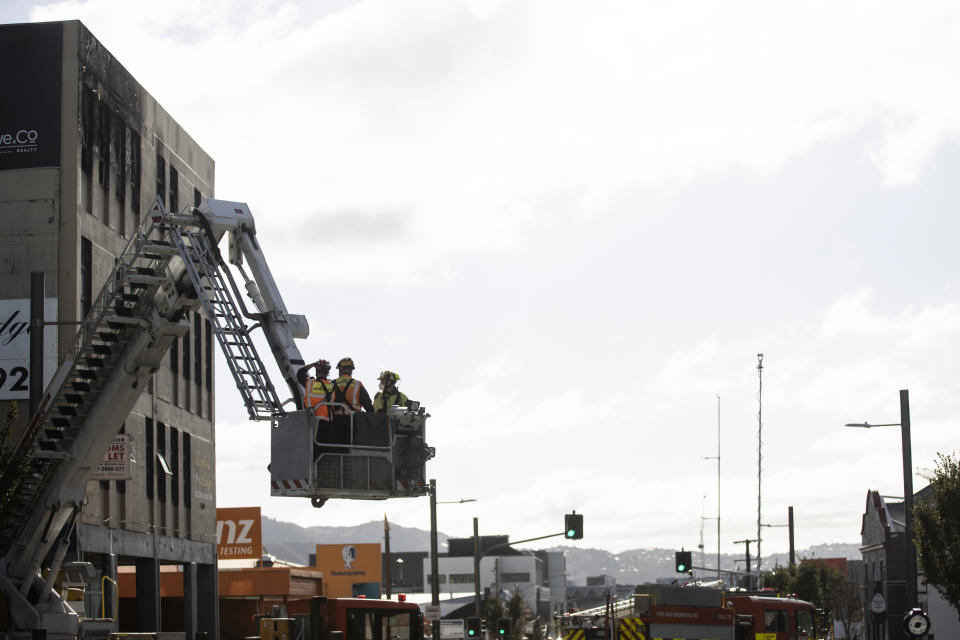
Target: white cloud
column 464, row 118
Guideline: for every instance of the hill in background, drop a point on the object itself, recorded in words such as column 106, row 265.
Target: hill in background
column 293, row 543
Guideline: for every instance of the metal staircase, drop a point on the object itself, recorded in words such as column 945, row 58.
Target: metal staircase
column 123, row 306
column 200, row 256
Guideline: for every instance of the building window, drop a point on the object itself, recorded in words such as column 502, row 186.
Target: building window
column 135, row 176
column 197, row 348
column 86, row 276
column 161, row 176
column 163, row 469
column 175, row 358
column 186, row 470
column 103, row 148
column 440, row 580
column 461, row 578
column 88, row 105
column 208, row 353
column 174, row 466
column 174, row 190
column 148, row 430
column 514, row 578
column 186, row 354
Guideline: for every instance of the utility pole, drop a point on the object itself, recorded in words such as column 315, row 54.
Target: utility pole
column 746, row 542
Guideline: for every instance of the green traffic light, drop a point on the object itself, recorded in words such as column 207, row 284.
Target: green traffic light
column 471, row 632
column 681, row 567
column 571, row 533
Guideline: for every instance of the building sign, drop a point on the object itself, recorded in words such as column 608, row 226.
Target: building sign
column 15, row 347
column 345, row 565
column 30, row 65
column 238, row 533
column 115, row 464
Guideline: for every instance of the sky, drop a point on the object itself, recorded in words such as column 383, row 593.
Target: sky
column 571, row 227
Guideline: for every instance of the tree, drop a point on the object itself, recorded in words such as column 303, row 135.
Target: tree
column 12, row 469
column 492, row 610
column 834, row 595
column 515, row 608
column 936, row 529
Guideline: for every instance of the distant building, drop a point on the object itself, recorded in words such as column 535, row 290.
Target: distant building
column 84, row 150
column 884, row 575
column 536, row 575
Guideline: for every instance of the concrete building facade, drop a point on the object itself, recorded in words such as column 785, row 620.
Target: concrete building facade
column 84, row 151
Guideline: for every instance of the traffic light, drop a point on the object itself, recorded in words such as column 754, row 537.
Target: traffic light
column 573, row 526
column 474, row 627
column 684, row 561
column 504, row 625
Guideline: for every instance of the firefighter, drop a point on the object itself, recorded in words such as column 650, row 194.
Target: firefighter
column 388, row 395
column 349, row 393
column 317, row 390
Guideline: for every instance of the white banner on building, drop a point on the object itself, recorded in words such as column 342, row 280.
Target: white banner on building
column 15, row 347
column 115, row 464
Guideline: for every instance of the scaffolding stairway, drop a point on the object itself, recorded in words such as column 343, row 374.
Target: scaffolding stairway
column 121, row 310
column 223, row 308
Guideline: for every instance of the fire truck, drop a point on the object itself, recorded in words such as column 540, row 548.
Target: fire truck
column 692, row 613
column 173, row 265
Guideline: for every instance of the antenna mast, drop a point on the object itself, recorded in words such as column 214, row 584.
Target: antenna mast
column 759, row 460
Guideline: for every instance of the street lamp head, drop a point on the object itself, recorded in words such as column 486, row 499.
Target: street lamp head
column 867, row 425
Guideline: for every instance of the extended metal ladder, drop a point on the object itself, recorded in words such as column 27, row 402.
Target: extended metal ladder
column 120, row 310
column 200, row 256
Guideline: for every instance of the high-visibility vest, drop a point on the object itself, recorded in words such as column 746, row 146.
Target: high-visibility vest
column 315, row 396
column 382, row 402
column 346, row 391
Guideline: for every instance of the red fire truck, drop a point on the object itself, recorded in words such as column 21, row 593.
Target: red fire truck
column 692, row 613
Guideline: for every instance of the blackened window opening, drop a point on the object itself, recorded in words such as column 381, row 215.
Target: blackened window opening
column 174, row 466
column 161, row 177
column 174, row 190
column 86, row 276
column 161, row 453
column 197, row 348
column 208, row 355
column 151, row 457
column 187, row 471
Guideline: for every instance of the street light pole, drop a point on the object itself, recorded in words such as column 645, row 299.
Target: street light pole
column 908, row 498
column 910, row 564
column 434, row 562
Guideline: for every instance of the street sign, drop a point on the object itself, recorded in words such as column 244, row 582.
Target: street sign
column 451, row 630
column 878, row 604
column 431, row 612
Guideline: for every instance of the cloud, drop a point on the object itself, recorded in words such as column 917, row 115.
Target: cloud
column 471, row 117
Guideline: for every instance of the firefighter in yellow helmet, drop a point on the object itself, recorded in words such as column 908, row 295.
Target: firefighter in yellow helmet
column 388, row 395
column 317, row 390
column 349, row 393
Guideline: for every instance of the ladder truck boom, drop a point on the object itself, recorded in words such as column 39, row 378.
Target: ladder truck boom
column 172, row 265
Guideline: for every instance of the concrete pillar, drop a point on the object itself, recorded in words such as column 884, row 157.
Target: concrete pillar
column 148, row 594
column 208, row 600
column 109, row 594
column 189, row 599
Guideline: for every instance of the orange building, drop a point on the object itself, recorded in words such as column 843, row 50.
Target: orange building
column 244, row 593
column 350, row 569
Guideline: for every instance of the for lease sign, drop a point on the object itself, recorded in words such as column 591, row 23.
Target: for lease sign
column 238, row 533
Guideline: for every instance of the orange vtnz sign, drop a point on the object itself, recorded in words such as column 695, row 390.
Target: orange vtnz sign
column 238, row 533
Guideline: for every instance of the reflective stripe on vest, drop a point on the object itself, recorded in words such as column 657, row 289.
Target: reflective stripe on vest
column 382, row 401
column 315, row 393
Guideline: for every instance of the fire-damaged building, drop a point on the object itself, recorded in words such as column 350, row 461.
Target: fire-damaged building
column 84, row 152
